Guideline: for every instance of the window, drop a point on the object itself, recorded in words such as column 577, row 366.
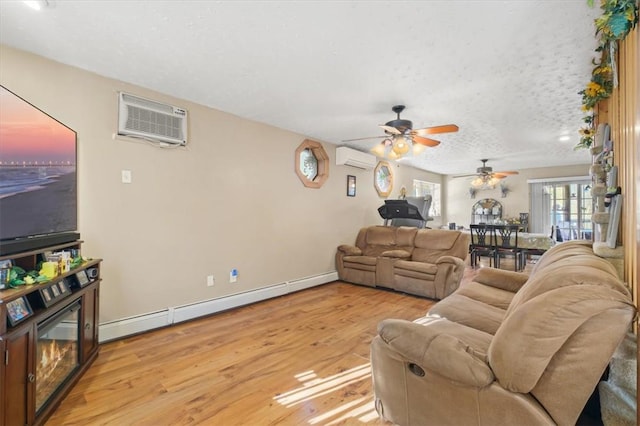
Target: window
column 422, row 188
column 566, row 205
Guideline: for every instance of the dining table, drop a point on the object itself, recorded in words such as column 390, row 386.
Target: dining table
column 529, row 240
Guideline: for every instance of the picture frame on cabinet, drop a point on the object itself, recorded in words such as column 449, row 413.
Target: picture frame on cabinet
column 5, row 269
column 54, row 291
column 83, row 278
column 18, row 310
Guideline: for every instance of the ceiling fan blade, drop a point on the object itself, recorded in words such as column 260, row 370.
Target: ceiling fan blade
column 509, row 173
column 363, row 139
column 445, row 128
column 425, row 141
column 390, row 129
column 461, row 176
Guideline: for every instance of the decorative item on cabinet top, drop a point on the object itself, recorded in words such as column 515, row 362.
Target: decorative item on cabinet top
column 486, row 210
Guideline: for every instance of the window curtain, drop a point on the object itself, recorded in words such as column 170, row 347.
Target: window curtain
column 540, row 208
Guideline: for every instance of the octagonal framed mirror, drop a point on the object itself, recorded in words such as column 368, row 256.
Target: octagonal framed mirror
column 383, row 178
column 312, row 164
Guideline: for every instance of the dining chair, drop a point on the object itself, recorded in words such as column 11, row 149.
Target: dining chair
column 506, row 244
column 482, row 243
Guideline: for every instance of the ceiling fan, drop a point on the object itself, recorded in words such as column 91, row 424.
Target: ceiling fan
column 485, row 177
column 401, row 139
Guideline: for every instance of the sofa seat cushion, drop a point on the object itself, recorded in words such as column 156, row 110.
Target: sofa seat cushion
column 363, row 263
column 408, row 268
column 469, row 312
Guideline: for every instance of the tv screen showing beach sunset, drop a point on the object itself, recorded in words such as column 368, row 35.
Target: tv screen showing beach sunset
column 38, row 191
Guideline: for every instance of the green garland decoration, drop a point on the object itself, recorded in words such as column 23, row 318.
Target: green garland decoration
column 619, row 18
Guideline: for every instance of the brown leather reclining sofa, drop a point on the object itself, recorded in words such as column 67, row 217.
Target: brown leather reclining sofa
column 507, row 348
column 424, row 262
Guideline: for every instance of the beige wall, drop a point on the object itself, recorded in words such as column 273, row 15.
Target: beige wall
column 230, row 199
column 459, row 202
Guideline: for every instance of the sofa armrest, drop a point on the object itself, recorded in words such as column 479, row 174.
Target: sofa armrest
column 397, row 254
column 434, row 348
column 450, row 259
column 349, row 250
column 498, row 278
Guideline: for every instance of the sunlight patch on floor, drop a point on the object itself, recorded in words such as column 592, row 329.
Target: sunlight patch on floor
column 313, row 386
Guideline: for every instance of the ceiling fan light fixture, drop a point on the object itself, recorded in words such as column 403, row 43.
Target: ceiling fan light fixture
column 477, row 182
column 378, row 150
column 485, row 182
column 493, row 181
column 418, row 149
column 392, row 155
column 400, row 145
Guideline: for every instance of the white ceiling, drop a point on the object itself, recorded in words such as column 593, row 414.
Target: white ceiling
column 506, row 72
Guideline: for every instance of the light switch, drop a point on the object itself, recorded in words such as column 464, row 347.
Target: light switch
column 126, row 176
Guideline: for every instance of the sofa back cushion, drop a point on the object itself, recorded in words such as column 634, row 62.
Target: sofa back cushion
column 378, row 239
column 567, row 264
column 431, row 244
column 563, row 250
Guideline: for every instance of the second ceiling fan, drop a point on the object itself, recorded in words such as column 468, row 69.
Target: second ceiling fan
column 486, row 177
column 400, row 137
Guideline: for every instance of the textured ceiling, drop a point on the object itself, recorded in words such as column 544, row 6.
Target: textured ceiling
column 506, row 72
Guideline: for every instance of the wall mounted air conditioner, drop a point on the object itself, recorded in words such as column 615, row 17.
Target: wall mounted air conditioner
column 143, row 118
column 351, row 157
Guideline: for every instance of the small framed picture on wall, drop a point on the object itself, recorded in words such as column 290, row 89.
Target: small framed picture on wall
column 351, row 186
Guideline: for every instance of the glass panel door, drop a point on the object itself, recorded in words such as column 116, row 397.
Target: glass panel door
column 571, row 210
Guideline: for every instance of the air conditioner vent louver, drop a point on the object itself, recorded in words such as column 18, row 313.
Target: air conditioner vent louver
column 144, row 118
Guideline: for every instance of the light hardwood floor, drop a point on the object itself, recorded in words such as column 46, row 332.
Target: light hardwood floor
column 300, row 359
column 294, row 360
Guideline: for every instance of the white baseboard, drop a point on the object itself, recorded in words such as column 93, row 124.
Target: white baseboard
column 124, row 327
column 207, row 307
column 127, row 326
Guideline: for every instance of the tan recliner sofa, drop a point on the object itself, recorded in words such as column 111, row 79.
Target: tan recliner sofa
column 424, row 262
column 507, row 348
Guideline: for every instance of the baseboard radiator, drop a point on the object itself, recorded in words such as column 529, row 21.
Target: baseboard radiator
column 172, row 315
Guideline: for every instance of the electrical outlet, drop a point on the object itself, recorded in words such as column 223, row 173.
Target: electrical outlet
column 126, row 176
column 233, row 275
column 210, row 281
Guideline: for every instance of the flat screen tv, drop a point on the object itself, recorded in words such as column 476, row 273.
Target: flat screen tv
column 38, row 177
